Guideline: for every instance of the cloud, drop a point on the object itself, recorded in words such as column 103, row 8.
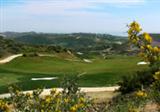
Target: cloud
column 78, row 15
column 68, row 7
column 72, row 5
column 118, row 1
column 54, row 7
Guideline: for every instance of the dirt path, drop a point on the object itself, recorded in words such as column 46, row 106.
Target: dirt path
column 10, row 58
column 82, row 89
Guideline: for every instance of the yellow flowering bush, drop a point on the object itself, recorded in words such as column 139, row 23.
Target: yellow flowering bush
column 3, row 106
column 135, row 89
column 150, row 54
column 55, row 102
column 157, row 75
column 144, row 42
column 68, row 100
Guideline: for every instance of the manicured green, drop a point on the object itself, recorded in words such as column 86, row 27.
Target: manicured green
column 101, row 72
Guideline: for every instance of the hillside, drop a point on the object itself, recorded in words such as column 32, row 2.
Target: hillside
column 8, row 47
column 156, row 39
column 77, row 41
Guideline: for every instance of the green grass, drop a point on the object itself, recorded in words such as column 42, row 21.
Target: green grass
column 99, row 73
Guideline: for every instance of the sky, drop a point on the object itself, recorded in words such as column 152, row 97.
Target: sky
column 68, row 16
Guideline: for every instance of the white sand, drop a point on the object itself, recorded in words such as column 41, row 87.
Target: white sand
column 87, row 60
column 78, row 37
column 44, row 78
column 46, row 55
column 10, row 58
column 142, row 63
column 79, row 53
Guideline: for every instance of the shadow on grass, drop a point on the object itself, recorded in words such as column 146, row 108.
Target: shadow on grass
column 25, row 82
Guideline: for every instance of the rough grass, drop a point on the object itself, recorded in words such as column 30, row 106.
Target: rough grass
column 99, row 73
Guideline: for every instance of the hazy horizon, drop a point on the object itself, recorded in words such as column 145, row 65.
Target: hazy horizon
column 114, row 34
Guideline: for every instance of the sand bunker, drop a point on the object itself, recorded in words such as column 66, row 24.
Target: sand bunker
column 44, row 78
column 10, row 58
column 87, row 60
column 79, row 53
column 142, row 63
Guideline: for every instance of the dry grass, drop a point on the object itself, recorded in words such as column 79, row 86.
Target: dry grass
column 104, row 96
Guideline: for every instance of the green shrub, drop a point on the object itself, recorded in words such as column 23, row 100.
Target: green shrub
column 32, row 54
column 155, row 88
column 140, row 80
column 156, row 92
column 127, row 103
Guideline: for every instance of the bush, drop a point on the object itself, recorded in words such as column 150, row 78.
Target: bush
column 155, row 92
column 3, row 106
column 140, row 80
column 68, row 100
column 127, row 103
column 34, row 54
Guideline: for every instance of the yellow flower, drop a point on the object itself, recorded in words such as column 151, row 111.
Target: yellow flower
column 141, row 94
column 156, row 49
column 48, row 99
column 66, row 100
column 134, row 41
column 4, row 106
column 142, row 47
column 81, row 105
column 149, row 47
column 141, row 54
column 81, row 99
column 42, row 110
column 58, row 111
column 135, row 26
column 130, row 32
column 147, row 37
column 157, row 75
column 74, row 108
